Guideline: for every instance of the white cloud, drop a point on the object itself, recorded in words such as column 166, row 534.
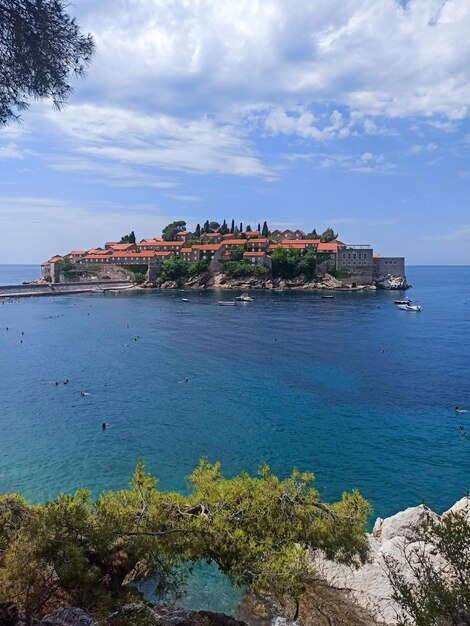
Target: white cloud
column 378, row 58
column 302, row 123
column 11, row 151
column 129, row 138
column 418, row 148
column 459, row 235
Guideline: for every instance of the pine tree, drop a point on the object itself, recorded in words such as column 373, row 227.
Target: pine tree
column 207, row 228
column 223, row 229
column 248, row 229
column 197, row 232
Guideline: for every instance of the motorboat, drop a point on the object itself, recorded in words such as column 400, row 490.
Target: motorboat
column 327, row 297
column 184, row 299
column 410, row 307
column 402, row 301
column 244, row 298
column 226, row 302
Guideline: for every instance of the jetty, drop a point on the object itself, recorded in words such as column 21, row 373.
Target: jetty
column 61, row 289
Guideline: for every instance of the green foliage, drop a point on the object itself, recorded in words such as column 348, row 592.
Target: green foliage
column 232, row 227
column 213, row 226
column 265, row 230
column 83, row 552
column 312, row 235
column 173, row 269
column 41, row 46
column 48, row 279
column 200, row 267
column 236, row 253
column 248, row 229
column 139, row 271
column 285, row 262
column 139, row 277
column 197, row 231
column 436, row 589
column 339, row 273
column 130, row 238
column 243, row 269
column 308, row 263
column 328, row 235
column 171, row 230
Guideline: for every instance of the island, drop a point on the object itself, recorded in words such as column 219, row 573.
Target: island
column 216, row 256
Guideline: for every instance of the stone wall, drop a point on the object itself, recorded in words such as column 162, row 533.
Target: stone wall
column 389, row 265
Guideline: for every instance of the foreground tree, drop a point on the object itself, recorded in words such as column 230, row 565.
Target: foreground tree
column 434, row 588
column 83, row 552
column 265, row 230
column 41, row 46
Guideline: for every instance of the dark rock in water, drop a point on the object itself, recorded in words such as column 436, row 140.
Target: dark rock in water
column 168, row 615
column 68, row 617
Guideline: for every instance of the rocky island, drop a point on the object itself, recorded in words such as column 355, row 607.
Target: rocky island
column 216, row 256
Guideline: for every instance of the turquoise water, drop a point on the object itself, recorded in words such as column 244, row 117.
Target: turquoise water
column 289, row 379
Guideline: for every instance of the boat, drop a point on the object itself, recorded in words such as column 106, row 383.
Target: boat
column 185, row 299
column 327, row 297
column 226, row 302
column 244, row 298
column 402, row 301
column 410, row 307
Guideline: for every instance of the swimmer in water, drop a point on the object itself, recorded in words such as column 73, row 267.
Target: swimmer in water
column 459, row 410
column 103, row 426
column 186, row 380
column 66, row 381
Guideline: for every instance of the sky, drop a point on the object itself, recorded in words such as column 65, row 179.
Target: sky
column 353, row 114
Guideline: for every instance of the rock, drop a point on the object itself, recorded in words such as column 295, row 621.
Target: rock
column 169, row 284
column 68, row 617
column 462, row 507
column 388, row 281
column 168, row 615
column 10, row 616
column 404, row 523
column 368, row 585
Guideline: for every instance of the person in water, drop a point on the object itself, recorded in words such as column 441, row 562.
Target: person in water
column 103, row 426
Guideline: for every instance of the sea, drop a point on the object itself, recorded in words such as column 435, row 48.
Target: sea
column 351, row 388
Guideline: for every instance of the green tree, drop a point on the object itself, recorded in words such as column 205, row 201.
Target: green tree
column 240, row 228
column 214, row 226
column 200, row 267
column 171, row 230
column 285, row 262
column 197, row 231
column 259, row 227
column 328, row 235
column 40, row 47
column 173, row 269
column 433, row 589
column 232, row 227
column 130, row 238
column 248, row 229
column 265, row 230
column 307, row 264
column 206, row 227
column 224, row 228
column 84, row 552
column 312, row 235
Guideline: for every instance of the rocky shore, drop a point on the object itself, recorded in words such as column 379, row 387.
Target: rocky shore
column 337, row 594
column 326, row 281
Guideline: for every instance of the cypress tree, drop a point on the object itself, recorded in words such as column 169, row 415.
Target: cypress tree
column 241, row 227
column 197, row 232
column 248, row 229
column 259, row 227
column 265, row 231
column 232, row 228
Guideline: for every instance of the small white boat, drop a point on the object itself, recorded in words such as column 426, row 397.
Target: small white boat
column 226, row 302
column 327, row 297
column 410, row 307
column 185, row 299
column 402, row 301
column 244, row 298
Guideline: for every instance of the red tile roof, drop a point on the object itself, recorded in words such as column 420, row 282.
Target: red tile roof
column 254, row 254
column 55, row 258
column 184, row 232
column 208, row 246
column 185, row 250
column 210, row 235
column 332, row 246
column 227, row 235
column 76, row 252
column 235, row 242
column 258, row 240
column 251, row 233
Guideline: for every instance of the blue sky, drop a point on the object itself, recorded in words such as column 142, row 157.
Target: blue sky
column 349, row 113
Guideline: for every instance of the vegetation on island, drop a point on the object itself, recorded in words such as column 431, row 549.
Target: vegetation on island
column 130, row 238
column 78, row 551
column 41, row 47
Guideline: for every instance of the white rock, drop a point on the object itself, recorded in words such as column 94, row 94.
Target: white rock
column 462, row 506
column 404, row 523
